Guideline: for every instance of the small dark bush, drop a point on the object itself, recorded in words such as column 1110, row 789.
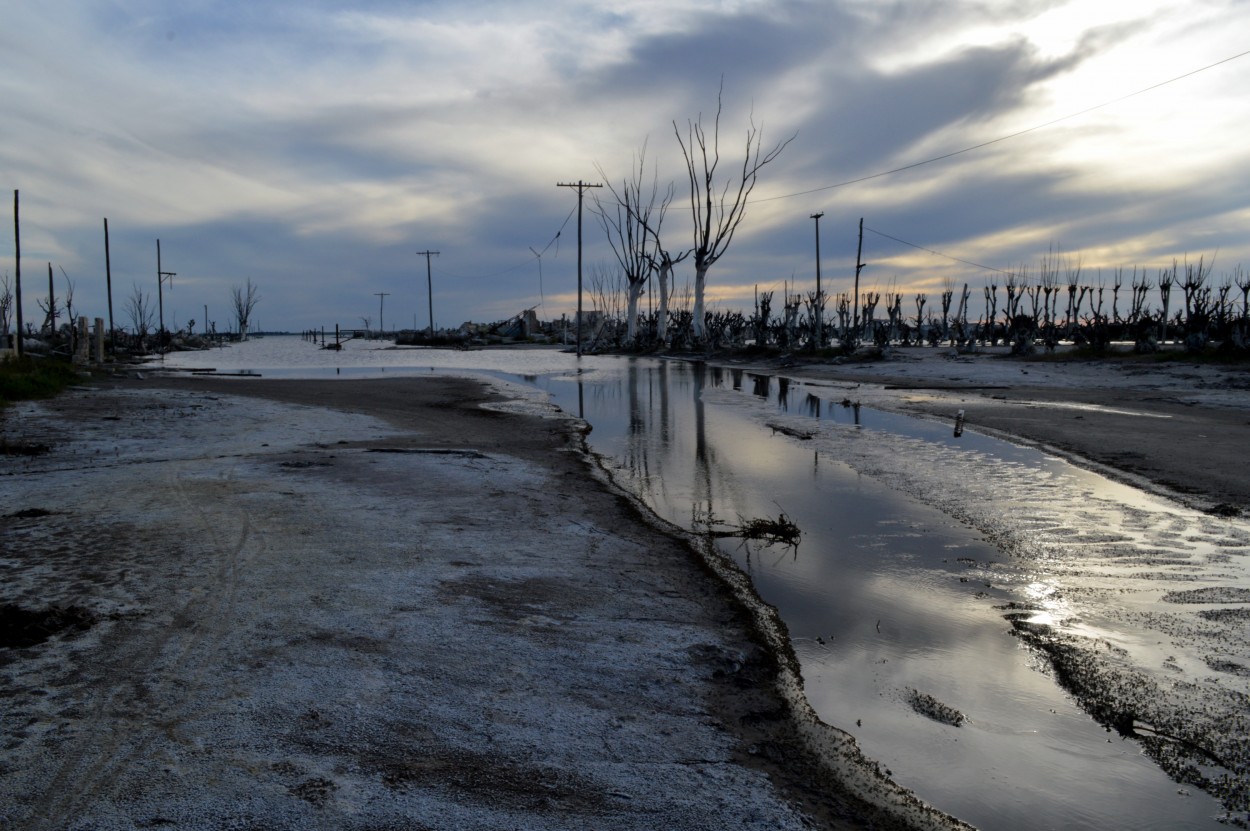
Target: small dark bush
column 27, row 378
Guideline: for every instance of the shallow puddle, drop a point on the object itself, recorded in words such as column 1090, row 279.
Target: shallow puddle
column 887, row 597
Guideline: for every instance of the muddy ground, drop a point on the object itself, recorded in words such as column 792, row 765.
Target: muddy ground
column 377, row 605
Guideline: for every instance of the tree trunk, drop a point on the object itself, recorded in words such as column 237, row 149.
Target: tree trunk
column 700, row 280
column 661, row 325
column 631, row 311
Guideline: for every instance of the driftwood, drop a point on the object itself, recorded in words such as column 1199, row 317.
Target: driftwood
column 766, row 530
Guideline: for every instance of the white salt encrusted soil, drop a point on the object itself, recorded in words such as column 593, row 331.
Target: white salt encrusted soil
column 295, row 628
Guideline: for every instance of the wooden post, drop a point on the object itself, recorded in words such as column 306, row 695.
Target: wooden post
column 858, row 266
column 17, row 256
column 108, row 280
column 429, row 285
column 160, row 296
column 99, row 340
column 819, row 316
column 81, row 350
column 581, row 189
column 52, row 306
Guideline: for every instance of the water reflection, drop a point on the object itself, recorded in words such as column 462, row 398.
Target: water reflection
column 884, row 595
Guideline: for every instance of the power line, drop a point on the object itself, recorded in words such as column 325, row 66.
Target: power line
column 932, row 251
column 555, row 240
column 1008, row 136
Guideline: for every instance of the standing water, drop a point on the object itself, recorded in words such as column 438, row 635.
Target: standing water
column 897, row 610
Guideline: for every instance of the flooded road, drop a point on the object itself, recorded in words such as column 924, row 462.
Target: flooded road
column 923, row 558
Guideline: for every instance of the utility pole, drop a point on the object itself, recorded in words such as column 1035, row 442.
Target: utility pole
column 51, row 303
column 108, row 281
column 820, row 331
column 581, row 189
column 17, row 256
column 429, row 284
column 381, row 295
column 858, row 265
column 160, row 295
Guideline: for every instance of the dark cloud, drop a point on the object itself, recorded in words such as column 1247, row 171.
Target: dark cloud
column 750, row 51
column 869, row 123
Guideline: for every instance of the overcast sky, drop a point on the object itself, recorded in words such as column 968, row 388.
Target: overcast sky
column 315, row 147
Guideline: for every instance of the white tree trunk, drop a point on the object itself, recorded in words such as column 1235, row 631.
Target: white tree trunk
column 700, row 281
column 662, row 323
column 631, row 311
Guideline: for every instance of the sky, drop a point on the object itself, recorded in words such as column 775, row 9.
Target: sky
column 316, row 147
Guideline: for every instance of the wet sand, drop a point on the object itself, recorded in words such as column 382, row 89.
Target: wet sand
column 380, row 604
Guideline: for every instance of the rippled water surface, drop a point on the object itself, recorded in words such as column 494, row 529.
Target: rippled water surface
column 912, row 542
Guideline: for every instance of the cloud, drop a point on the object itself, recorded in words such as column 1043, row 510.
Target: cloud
column 316, row 146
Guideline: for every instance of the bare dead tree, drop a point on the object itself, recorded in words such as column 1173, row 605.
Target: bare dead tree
column 6, row 308
column 1117, row 283
column 1138, row 288
column 894, row 308
column 961, row 315
column 1240, row 278
column 243, row 300
column 49, row 307
column 71, row 317
column 1195, row 282
column 628, row 233
column 870, row 301
column 764, row 311
column 138, row 307
column 607, row 286
column 1072, row 277
column 948, row 294
column 1165, row 281
column 717, row 208
column 991, row 310
column 662, row 260
column 1015, row 283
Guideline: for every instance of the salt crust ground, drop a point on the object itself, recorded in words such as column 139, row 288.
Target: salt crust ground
column 426, row 617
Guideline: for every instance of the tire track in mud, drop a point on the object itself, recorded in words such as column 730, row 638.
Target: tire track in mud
column 146, row 673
